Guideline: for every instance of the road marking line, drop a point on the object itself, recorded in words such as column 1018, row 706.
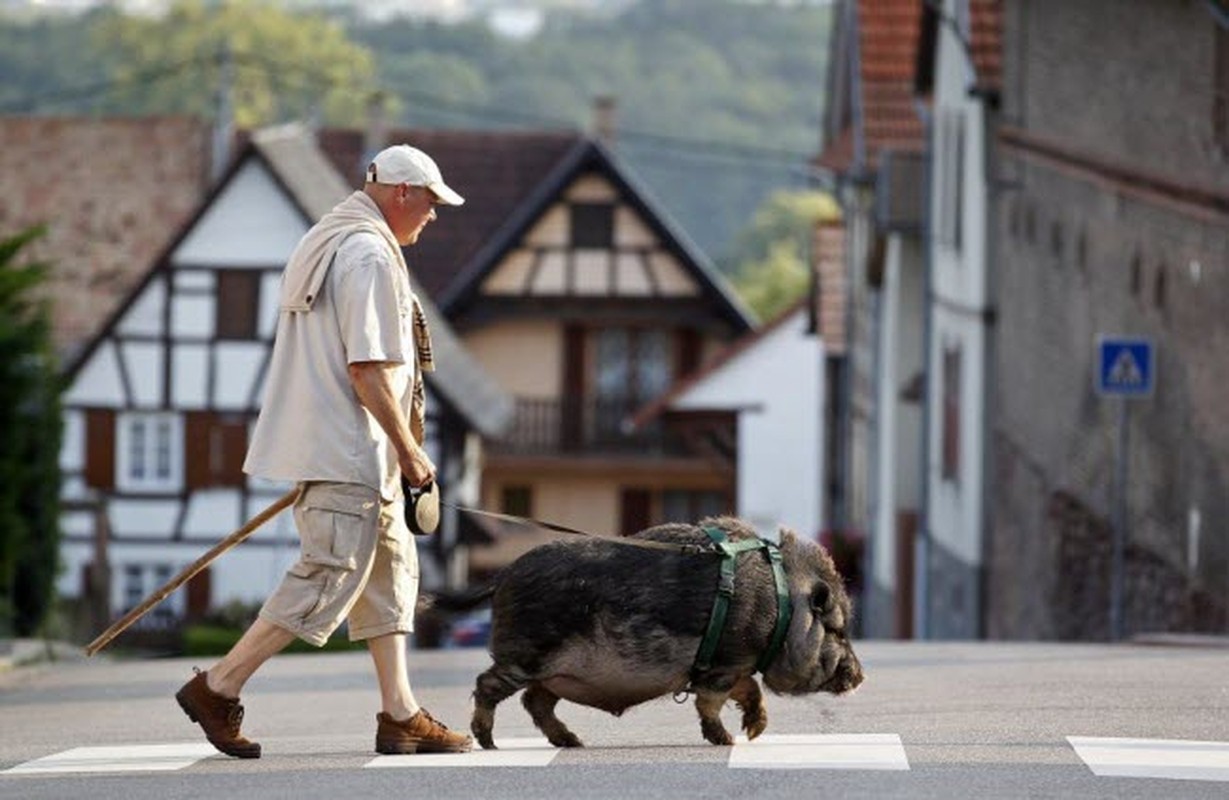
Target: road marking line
column 820, row 751
column 530, row 752
column 1154, row 758
column 123, row 758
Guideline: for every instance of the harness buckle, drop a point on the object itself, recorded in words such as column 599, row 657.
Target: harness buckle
column 725, row 585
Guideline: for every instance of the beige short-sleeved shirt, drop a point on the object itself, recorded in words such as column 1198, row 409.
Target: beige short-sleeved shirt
column 311, row 425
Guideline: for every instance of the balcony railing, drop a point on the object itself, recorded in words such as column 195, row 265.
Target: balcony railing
column 583, row 426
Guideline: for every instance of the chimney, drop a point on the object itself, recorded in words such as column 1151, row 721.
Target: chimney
column 604, row 119
column 223, row 116
column 375, row 136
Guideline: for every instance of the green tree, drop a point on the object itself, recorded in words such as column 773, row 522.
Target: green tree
column 283, row 65
column 770, row 263
column 30, row 432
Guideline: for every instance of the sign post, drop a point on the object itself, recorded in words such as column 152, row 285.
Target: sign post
column 1126, row 370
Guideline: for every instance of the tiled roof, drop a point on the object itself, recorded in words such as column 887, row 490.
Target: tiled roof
column 887, row 44
column 986, row 35
column 494, row 171
column 112, row 192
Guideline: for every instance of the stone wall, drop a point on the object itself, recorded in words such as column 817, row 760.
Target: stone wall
column 1096, row 241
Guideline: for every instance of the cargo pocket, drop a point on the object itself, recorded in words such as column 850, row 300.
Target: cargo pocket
column 332, row 533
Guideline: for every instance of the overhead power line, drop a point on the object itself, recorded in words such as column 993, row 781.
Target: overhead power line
column 287, row 76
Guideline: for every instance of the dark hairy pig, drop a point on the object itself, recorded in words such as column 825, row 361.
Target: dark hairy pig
column 610, row 625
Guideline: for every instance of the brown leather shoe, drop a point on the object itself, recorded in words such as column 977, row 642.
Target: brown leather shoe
column 421, row 733
column 220, row 717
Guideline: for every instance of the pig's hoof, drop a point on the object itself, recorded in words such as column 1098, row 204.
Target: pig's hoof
column 716, row 733
column 566, row 739
column 483, row 734
column 754, row 723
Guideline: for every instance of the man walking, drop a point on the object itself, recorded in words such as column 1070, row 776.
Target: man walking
column 343, row 417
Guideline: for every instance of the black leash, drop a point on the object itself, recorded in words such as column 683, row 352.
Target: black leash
column 554, row 526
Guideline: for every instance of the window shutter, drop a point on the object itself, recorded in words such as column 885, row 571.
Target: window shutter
column 572, row 407
column 100, row 448
column 197, row 472
column 199, row 591
column 229, row 441
column 634, row 509
column 689, row 351
column 237, row 303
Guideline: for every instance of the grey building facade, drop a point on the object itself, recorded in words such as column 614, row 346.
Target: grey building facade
column 1111, row 216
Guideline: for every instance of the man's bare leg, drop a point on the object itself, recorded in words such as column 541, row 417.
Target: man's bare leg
column 259, row 643
column 396, row 697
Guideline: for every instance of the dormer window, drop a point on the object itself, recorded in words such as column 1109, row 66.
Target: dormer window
column 593, row 225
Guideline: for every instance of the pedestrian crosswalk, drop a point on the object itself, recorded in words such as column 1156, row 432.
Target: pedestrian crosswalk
column 821, row 751
column 118, row 758
column 1154, row 758
column 1104, row 757
column 530, row 752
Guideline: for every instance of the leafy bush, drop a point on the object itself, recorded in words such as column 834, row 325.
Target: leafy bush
column 29, row 445
column 216, row 640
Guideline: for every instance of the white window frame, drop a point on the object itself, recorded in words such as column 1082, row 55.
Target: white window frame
column 139, row 579
column 149, row 452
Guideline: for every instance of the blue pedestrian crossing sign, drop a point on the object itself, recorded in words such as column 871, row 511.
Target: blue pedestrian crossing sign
column 1125, row 366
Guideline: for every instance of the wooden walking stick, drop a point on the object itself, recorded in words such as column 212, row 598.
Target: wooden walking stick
column 187, row 572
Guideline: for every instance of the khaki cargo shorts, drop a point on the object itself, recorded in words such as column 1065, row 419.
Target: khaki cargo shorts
column 357, row 563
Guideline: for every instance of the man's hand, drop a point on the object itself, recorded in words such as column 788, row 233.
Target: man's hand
column 418, row 469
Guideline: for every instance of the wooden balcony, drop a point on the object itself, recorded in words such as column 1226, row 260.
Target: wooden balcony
column 584, row 427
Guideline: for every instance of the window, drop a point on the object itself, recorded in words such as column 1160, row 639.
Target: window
column 950, row 177
column 593, row 225
column 517, row 500
column 134, row 586
column 150, row 452
column 690, row 506
column 1220, row 91
column 163, row 612
column 951, row 413
column 142, row 580
column 236, row 307
column 632, row 364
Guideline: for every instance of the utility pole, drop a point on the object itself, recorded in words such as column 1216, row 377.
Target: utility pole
column 224, row 113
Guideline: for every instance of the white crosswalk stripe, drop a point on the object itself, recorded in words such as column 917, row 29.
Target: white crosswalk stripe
column 118, row 758
column 530, row 752
column 1154, row 758
column 820, row 751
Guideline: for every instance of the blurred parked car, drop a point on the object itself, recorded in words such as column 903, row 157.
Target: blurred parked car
column 471, row 630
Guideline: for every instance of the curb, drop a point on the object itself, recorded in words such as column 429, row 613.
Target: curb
column 1201, row 640
column 28, row 652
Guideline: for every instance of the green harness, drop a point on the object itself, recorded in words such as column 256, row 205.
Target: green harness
column 725, row 590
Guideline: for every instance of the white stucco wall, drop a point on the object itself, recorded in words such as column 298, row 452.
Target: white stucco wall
column 778, row 386
column 251, row 224
column 961, row 298
column 899, row 457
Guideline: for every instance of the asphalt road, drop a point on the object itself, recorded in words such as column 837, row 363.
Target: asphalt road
column 942, row 720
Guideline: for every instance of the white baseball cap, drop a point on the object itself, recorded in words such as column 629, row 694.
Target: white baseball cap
column 404, row 164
